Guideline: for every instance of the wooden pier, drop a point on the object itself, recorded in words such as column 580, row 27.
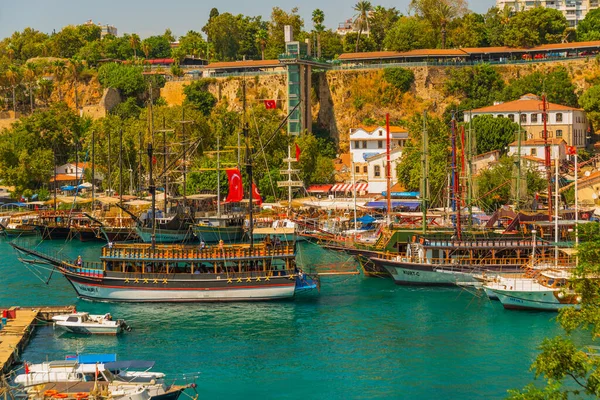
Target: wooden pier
column 15, row 335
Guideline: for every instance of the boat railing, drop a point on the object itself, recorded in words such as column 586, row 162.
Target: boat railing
column 482, row 243
column 214, row 252
column 403, row 257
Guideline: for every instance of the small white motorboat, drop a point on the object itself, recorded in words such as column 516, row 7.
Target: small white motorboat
column 85, row 323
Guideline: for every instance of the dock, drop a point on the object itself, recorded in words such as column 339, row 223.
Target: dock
column 15, row 335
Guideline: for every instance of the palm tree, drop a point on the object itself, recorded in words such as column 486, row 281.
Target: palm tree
column 317, row 18
column 261, row 40
column 134, row 42
column 361, row 19
column 75, row 68
column 30, row 77
column 13, row 76
column 58, row 69
column 146, row 48
column 445, row 13
column 45, row 86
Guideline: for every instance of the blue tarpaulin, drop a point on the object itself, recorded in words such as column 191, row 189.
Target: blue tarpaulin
column 366, row 219
column 67, row 188
column 395, row 203
column 402, row 194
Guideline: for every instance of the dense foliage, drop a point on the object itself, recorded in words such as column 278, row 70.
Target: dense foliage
column 493, row 133
column 400, row 78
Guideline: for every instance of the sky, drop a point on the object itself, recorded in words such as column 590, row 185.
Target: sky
column 152, row 17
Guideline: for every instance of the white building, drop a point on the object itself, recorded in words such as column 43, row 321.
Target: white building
column 104, row 29
column 369, row 141
column 568, row 123
column 376, row 167
column 533, row 152
column 573, row 10
column 72, row 169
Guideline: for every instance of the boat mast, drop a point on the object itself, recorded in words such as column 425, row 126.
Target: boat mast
column 519, row 134
column 109, row 165
column 388, row 170
column 121, row 167
column 424, row 168
column 354, row 193
column 152, row 190
column 454, row 198
column 166, row 181
column 289, row 167
column 218, row 177
column 249, row 171
column 139, row 177
column 556, row 212
column 547, row 155
column 93, row 169
column 55, row 183
column 576, row 205
column 470, row 170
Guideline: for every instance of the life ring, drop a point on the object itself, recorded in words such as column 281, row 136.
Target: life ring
column 81, row 395
column 421, row 240
column 50, row 393
column 60, row 396
column 585, row 216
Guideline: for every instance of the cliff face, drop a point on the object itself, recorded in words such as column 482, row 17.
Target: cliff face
column 342, row 99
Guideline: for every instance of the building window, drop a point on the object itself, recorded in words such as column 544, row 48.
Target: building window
column 377, row 171
column 559, row 133
column 511, row 117
column 534, row 118
column 500, row 116
column 357, row 169
column 380, row 132
column 365, row 170
column 380, row 144
column 559, row 117
column 534, row 152
column 364, row 144
column 523, row 118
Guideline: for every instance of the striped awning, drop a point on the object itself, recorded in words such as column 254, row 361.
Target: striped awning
column 348, row 187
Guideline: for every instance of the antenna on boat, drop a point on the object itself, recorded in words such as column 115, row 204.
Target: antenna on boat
column 120, row 167
column 424, row 173
column 547, row 155
column 388, row 172
column 93, row 169
column 455, row 200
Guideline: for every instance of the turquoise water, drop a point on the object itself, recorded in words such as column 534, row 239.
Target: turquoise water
column 358, row 338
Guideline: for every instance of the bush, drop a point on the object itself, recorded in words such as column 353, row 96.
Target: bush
column 199, row 97
column 400, row 78
column 127, row 79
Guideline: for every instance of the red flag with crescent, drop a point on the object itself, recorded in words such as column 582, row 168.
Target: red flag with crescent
column 256, row 194
column 298, row 152
column 571, row 150
column 236, row 189
column 270, row 104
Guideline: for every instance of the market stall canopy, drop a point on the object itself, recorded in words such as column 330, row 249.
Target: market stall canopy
column 159, row 197
column 138, row 203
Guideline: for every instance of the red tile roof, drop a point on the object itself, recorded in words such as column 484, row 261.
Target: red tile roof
column 524, row 104
column 393, row 128
column 244, row 64
column 63, row 178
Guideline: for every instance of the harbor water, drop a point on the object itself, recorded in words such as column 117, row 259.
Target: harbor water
column 357, row 338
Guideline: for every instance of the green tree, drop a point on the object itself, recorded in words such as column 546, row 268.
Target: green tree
column 198, row 96
column 361, row 18
column 494, row 26
column 331, row 44
column 493, row 133
column 400, row 78
column 261, row 40
column 439, row 13
column 590, row 102
column 468, row 31
column 71, row 39
column 160, row 47
column 318, row 17
column 382, row 20
column 409, row 33
column 223, row 31
column 316, row 159
column 280, row 18
column 478, row 86
column 351, row 39
column 191, row 44
column 27, row 44
column 535, row 27
column 127, row 79
column 409, row 167
column 493, row 184
column 588, row 29
column 557, row 85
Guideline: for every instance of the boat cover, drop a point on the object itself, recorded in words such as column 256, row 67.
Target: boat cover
column 130, row 364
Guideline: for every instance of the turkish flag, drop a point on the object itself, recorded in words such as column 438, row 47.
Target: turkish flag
column 571, row 150
column 236, row 190
column 270, row 104
column 256, row 194
column 153, row 160
column 298, row 152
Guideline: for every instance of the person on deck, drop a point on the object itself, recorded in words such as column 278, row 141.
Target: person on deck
column 79, row 262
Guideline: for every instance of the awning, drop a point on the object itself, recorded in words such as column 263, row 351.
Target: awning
column 319, row 188
column 131, row 364
column 395, row 203
column 348, row 187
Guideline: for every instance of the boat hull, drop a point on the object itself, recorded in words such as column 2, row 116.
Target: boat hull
column 90, row 330
column 55, row 232
column 155, row 288
column 546, row 300
column 413, row 273
column 212, row 234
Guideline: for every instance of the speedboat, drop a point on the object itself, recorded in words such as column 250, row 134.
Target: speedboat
column 85, row 323
column 121, row 379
